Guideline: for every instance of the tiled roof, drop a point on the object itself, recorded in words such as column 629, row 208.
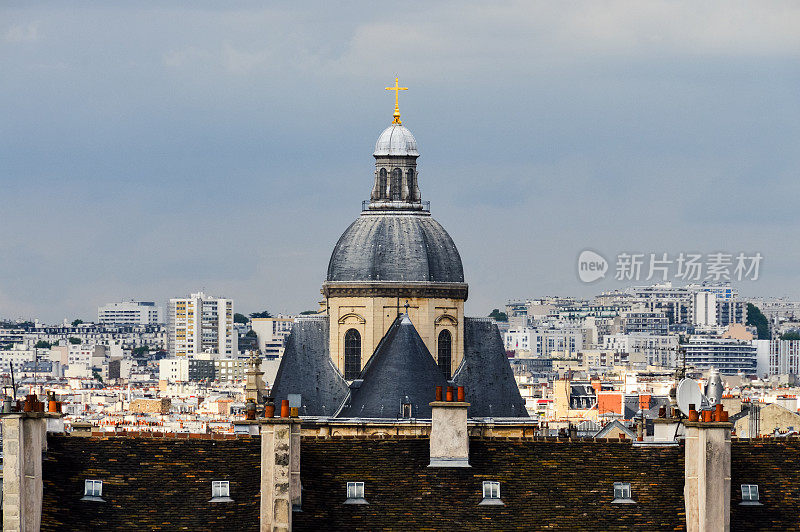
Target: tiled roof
column 150, row 484
column 774, row 465
column 165, row 483
column 545, row 485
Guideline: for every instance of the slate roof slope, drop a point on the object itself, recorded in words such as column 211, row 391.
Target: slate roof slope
column 486, row 374
column 150, row 484
column 400, row 367
column 395, row 247
column 773, row 465
column 545, row 485
column 307, row 369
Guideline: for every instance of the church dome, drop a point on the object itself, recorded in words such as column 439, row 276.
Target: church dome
column 396, row 140
column 395, row 246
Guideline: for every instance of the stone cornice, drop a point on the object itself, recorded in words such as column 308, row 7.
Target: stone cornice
column 395, row 289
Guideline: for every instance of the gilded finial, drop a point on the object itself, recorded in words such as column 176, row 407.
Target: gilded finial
column 397, row 88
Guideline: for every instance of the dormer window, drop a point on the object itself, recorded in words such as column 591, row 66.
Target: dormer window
column 750, row 495
column 93, row 491
column 622, row 493
column 406, row 407
column 491, row 494
column 355, row 493
column 220, row 491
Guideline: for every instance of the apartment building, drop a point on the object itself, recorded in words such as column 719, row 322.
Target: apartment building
column 130, row 313
column 727, row 355
column 784, row 357
column 645, row 322
column 201, row 324
column 272, row 334
column 657, row 350
column 542, row 342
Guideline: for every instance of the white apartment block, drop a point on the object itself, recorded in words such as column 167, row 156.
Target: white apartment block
column 201, row 324
column 272, row 334
column 729, row 356
column 16, row 357
column 704, row 308
column 130, row 313
column 89, row 355
column 656, row 350
column 784, row 357
column 542, row 342
column 173, row 369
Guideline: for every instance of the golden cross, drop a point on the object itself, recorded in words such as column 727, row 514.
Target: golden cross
column 397, row 88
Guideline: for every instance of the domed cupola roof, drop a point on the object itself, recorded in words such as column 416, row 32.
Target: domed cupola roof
column 395, row 247
column 395, row 244
column 396, row 140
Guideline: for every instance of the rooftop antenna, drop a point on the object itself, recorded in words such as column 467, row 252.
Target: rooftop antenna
column 13, row 384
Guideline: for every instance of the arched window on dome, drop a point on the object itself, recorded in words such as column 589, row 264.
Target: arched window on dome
column 445, row 349
column 352, row 354
column 382, row 183
column 397, row 178
column 412, row 184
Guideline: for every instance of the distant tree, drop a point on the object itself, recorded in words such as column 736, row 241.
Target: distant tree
column 307, row 312
column 262, row 314
column 756, row 319
column 240, row 318
column 76, row 322
column 251, row 334
column 790, row 335
column 497, row 315
column 74, row 341
column 43, row 344
column 97, row 376
column 140, row 351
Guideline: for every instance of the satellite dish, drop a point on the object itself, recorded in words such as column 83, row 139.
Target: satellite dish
column 689, row 394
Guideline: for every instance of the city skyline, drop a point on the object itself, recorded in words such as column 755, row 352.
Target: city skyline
column 226, row 150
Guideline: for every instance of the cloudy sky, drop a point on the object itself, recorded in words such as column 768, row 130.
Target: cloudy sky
column 166, row 147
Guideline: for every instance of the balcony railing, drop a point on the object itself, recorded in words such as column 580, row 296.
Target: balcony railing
column 423, row 206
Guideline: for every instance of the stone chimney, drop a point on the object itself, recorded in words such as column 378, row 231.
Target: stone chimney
column 668, row 427
column 449, row 434
column 707, row 491
column 280, row 472
column 24, row 439
column 81, row 429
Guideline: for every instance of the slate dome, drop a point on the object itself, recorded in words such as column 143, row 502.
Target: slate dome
column 395, row 246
